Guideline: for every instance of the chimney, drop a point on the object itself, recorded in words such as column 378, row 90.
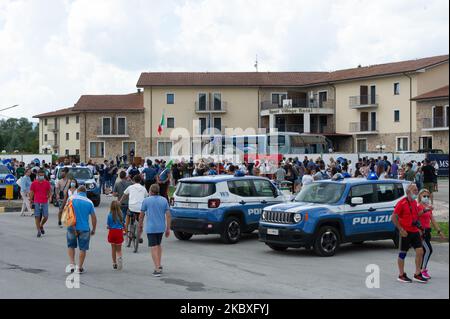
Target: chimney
column 139, row 91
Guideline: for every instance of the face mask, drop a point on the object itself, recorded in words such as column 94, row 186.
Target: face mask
column 73, row 185
column 41, row 178
column 425, row 200
column 413, row 196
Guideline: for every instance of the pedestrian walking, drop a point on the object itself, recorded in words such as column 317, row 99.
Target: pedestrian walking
column 155, row 210
column 40, row 194
column 79, row 236
column 115, row 234
column 25, row 184
column 61, row 188
column 118, row 191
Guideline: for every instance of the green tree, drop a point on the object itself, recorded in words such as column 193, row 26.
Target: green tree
column 19, row 134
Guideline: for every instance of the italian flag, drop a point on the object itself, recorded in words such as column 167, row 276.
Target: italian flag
column 161, row 124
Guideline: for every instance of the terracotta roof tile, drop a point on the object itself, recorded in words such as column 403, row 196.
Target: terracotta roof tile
column 122, row 102
column 435, row 94
column 62, row 112
column 282, row 78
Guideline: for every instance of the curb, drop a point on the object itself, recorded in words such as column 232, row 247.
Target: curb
column 9, row 210
column 439, row 240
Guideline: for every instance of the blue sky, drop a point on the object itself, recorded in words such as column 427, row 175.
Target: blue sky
column 53, row 51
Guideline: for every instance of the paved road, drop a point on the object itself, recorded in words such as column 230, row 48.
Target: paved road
column 202, row 268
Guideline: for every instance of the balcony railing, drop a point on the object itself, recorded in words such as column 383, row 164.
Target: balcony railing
column 52, row 127
column 322, row 129
column 435, row 123
column 362, row 101
column 114, row 132
column 298, row 103
column 364, row 127
column 211, row 107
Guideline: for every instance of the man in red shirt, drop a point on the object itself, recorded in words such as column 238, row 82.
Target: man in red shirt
column 40, row 193
column 405, row 218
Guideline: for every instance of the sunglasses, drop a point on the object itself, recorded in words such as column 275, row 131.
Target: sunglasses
column 425, row 196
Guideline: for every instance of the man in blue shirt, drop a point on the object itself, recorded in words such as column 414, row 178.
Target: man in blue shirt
column 79, row 236
column 156, row 209
column 150, row 175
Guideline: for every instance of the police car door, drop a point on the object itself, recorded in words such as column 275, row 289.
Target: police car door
column 266, row 194
column 361, row 219
column 245, row 199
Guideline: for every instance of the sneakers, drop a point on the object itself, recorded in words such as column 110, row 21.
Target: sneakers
column 71, row 268
column 141, row 241
column 404, row 278
column 115, row 266
column 39, row 234
column 425, row 274
column 420, row 278
column 80, row 270
column 119, row 263
column 60, row 224
column 42, row 231
column 160, row 269
column 157, row 273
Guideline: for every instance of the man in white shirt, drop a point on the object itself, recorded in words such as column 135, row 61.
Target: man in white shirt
column 136, row 194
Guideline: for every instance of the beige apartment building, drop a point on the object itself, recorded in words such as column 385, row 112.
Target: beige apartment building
column 59, row 132
column 433, row 119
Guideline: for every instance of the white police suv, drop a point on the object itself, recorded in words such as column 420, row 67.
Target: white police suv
column 223, row 204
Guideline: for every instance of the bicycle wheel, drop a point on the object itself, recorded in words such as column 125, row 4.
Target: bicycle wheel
column 136, row 238
column 130, row 234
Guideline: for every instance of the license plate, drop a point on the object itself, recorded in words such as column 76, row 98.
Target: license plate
column 188, row 205
column 272, row 232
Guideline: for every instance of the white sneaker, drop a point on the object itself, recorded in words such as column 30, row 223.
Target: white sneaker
column 71, row 268
column 119, row 263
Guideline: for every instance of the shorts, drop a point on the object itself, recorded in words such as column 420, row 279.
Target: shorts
column 79, row 239
column 429, row 187
column 154, row 239
column 40, row 210
column 412, row 240
column 130, row 213
column 115, row 236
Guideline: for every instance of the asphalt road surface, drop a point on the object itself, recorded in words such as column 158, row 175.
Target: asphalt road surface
column 202, row 268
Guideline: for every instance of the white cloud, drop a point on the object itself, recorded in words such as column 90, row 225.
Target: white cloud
column 51, row 52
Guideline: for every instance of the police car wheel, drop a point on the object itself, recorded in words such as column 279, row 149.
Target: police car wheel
column 231, row 232
column 182, row 235
column 327, row 241
column 277, row 248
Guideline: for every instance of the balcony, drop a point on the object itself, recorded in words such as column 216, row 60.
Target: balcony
column 112, row 133
column 322, row 129
column 363, row 101
column 364, row 127
column 297, row 103
column 202, row 108
column 435, row 124
column 52, row 128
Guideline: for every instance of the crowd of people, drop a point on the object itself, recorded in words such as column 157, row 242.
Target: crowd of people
column 142, row 193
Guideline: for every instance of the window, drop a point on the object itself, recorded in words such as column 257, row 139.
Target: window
column 386, row 192
column 77, row 152
column 96, row 149
column 164, row 148
column 170, row 98
column 361, row 145
column 202, row 124
column 78, row 119
column 67, row 136
column 396, row 116
column 365, row 191
column 218, row 124
column 426, row 142
column 278, row 98
column 400, row 190
column 45, row 122
column 242, row 188
column 45, row 137
column 217, row 101
column 127, row 147
column 67, row 152
column 196, row 189
column 323, row 97
column 78, row 136
column 402, row 144
column 396, row 88
column 106, row 126
column 121, row 126
column 170, row 122
column 202, row 101
column 67, row 120
column 263, row 188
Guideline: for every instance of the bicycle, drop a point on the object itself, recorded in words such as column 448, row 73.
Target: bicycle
column 133, row 232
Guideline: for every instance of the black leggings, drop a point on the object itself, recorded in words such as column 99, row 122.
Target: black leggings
column 428, row 250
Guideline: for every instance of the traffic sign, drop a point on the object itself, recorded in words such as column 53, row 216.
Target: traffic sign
column 10, row 179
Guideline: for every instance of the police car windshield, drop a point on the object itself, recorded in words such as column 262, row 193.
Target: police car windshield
column 196, row 189
column 78, row 173
column 321, row 193
column 4, row 170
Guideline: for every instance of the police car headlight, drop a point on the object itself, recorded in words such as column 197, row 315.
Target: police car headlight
column 297, row 218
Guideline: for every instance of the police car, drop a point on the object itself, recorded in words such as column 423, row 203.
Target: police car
column 223, row 204
column 84, row 176
column 328, row 213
